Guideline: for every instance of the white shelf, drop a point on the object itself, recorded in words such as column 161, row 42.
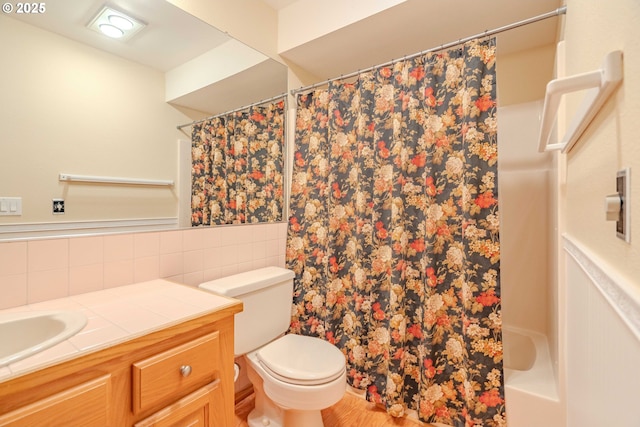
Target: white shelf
column 599, row 84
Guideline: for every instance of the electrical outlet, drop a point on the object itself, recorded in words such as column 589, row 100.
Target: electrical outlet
column 623, row 187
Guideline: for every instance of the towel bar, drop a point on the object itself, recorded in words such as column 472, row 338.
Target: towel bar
column 600, row 84
column 113, row 180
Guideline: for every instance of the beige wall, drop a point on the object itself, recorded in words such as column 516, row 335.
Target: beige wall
column 523, row 76
column 70, row 108
column 594, row 28
column 602, row 271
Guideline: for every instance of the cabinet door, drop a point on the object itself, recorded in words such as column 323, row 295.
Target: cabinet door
column 84, row 405
column 194, row 410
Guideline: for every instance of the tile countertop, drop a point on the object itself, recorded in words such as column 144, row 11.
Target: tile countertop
column 116, row 315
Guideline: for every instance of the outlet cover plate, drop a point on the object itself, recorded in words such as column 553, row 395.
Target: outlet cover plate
column 623, row 187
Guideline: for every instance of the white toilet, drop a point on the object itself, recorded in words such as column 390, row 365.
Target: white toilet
column 293, row 376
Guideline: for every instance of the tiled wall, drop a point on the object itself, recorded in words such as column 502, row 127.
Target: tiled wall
column 39, row 270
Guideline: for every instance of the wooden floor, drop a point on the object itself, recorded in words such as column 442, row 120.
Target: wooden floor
column 351, row 411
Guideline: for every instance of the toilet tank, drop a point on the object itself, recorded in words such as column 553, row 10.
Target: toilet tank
column 267, row 296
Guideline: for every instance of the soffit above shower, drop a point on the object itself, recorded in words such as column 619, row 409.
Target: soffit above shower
column 412, row 26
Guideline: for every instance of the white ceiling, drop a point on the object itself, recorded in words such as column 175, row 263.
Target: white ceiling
column 279, row 4
column 171, row 37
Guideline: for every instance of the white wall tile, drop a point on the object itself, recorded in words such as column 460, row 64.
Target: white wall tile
column 13, row 290
column 86, row 278
column 171, row 264
column 259, row 250
column 193, row 261
column 193, row 279
column 118, row 247
column 258, row 232
column 46, row 269
column 229, row 256
column 193, row 239
column 245, row 252
column 244, row 234
column 211, row 274
column 271, row 231
column 211, row 258
column 47, row 254
column 86, row 251
column 146, row 268
column 211, row 237
column 228, row 236
column 13, row 258
column 170, row 242
column 47, row 285
column 229, row 270
column 146, row 244
column 118, row 273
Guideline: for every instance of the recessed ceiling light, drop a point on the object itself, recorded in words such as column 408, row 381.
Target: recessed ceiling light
column 111, row 31
column 121, row 22
column 115, row 24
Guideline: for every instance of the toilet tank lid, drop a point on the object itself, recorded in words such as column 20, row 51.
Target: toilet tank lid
column 249, row 281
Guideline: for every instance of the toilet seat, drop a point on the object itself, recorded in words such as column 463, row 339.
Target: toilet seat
column 303, row 360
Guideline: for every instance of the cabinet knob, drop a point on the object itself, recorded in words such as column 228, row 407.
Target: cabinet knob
column 185, row 370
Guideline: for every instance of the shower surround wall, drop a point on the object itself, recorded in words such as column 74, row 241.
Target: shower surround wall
column 524, row 186
column 529, row 290
column 33, row 271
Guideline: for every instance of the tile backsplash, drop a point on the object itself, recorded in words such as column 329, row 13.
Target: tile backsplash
column 39, row 270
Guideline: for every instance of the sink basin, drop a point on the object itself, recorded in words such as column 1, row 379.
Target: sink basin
column 24, row 334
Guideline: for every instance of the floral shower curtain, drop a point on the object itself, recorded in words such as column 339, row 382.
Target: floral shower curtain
column 393, row 233
column 237, row 167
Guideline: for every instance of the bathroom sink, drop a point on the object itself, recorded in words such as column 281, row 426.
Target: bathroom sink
column 24, row 334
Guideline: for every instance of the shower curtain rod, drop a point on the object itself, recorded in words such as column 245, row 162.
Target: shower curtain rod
column 559, row 11
column 264, row 101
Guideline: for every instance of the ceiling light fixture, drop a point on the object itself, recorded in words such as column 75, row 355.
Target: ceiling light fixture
column 115, row 24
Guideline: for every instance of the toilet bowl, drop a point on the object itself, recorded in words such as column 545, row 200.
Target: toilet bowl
column 294, row 377
column 299, row 376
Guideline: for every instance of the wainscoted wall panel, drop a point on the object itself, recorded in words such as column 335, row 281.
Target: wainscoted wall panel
column 602, row 343
column 39, row 270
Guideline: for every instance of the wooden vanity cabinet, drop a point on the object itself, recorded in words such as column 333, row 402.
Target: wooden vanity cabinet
column 181, row 375
column 86, row 404
column 194, row 410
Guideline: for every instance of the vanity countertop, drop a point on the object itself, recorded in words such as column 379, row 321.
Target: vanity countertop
column 117, row 315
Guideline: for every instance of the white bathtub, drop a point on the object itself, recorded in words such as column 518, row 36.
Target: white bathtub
column 531, row 391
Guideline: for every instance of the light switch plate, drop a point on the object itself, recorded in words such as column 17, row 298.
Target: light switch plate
column 623, row 187
column 10, row 206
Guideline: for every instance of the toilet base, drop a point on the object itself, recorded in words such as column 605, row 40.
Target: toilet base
column 266, row 413
column 269, row 414
column 272, row 416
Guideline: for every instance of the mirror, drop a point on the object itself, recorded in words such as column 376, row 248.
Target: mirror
column 76, row 102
